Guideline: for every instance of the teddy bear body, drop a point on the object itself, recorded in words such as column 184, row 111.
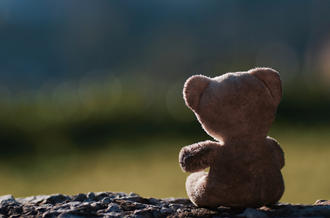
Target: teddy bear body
column 237, row 110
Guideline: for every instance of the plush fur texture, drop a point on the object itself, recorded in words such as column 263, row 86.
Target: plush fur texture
column 237, row 110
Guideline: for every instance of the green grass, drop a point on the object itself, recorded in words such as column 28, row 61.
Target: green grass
column 149, row 171
column 307, row 152
column 150, row 168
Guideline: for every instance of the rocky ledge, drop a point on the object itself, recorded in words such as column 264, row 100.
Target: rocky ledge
column 110, row 204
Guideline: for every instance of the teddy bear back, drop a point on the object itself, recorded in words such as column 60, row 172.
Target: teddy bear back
column 253, row 177
column 235, row 106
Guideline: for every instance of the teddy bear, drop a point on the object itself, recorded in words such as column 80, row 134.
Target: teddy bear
column 244, row 164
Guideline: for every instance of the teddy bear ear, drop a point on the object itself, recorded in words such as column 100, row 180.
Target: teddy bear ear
column 271, row 79
column 193, row 89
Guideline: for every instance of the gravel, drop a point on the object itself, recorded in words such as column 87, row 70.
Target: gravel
column 110, row 204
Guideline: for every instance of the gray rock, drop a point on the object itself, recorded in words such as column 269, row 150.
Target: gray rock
column 7, row 199
column 110, row 204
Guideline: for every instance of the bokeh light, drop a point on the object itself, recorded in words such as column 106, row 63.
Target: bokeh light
column 280, row 56
column 175, row 103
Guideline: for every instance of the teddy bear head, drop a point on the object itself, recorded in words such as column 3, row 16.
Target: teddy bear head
column 235, row 106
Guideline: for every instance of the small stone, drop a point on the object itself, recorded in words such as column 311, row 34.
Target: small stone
column 156, row 214
column 142, row 214
column 224, row 214
column 132, row 194
column 80, row 197
column 90, row 197
column 139, row 206
column 51, row 214
column 175, row 206
column 94, row 204
column 154, row 201
column 252, row 213
column 106, row 200
column 57, row 198
column 133, row 198
column 74, row 204
column 264, row 208
column 113, row 214
column 100, row 195
column 44, row 207
column 153, row 207
column 32, row 199
column 68, row 215
column 183, row 201
column 163, row 204
column 14, row 209
column 121, row 194
column 322, row 202
column 166, row 210
column 113, row 208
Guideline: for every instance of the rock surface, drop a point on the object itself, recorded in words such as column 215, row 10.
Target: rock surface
column 110, row 204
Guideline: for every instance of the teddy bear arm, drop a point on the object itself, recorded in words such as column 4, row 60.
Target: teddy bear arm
column 278, row 150
column 198, row 156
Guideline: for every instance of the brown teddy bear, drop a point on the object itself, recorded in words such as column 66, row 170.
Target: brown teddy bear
column 237, row 110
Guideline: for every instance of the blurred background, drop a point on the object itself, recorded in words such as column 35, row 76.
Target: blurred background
column 90, row 91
